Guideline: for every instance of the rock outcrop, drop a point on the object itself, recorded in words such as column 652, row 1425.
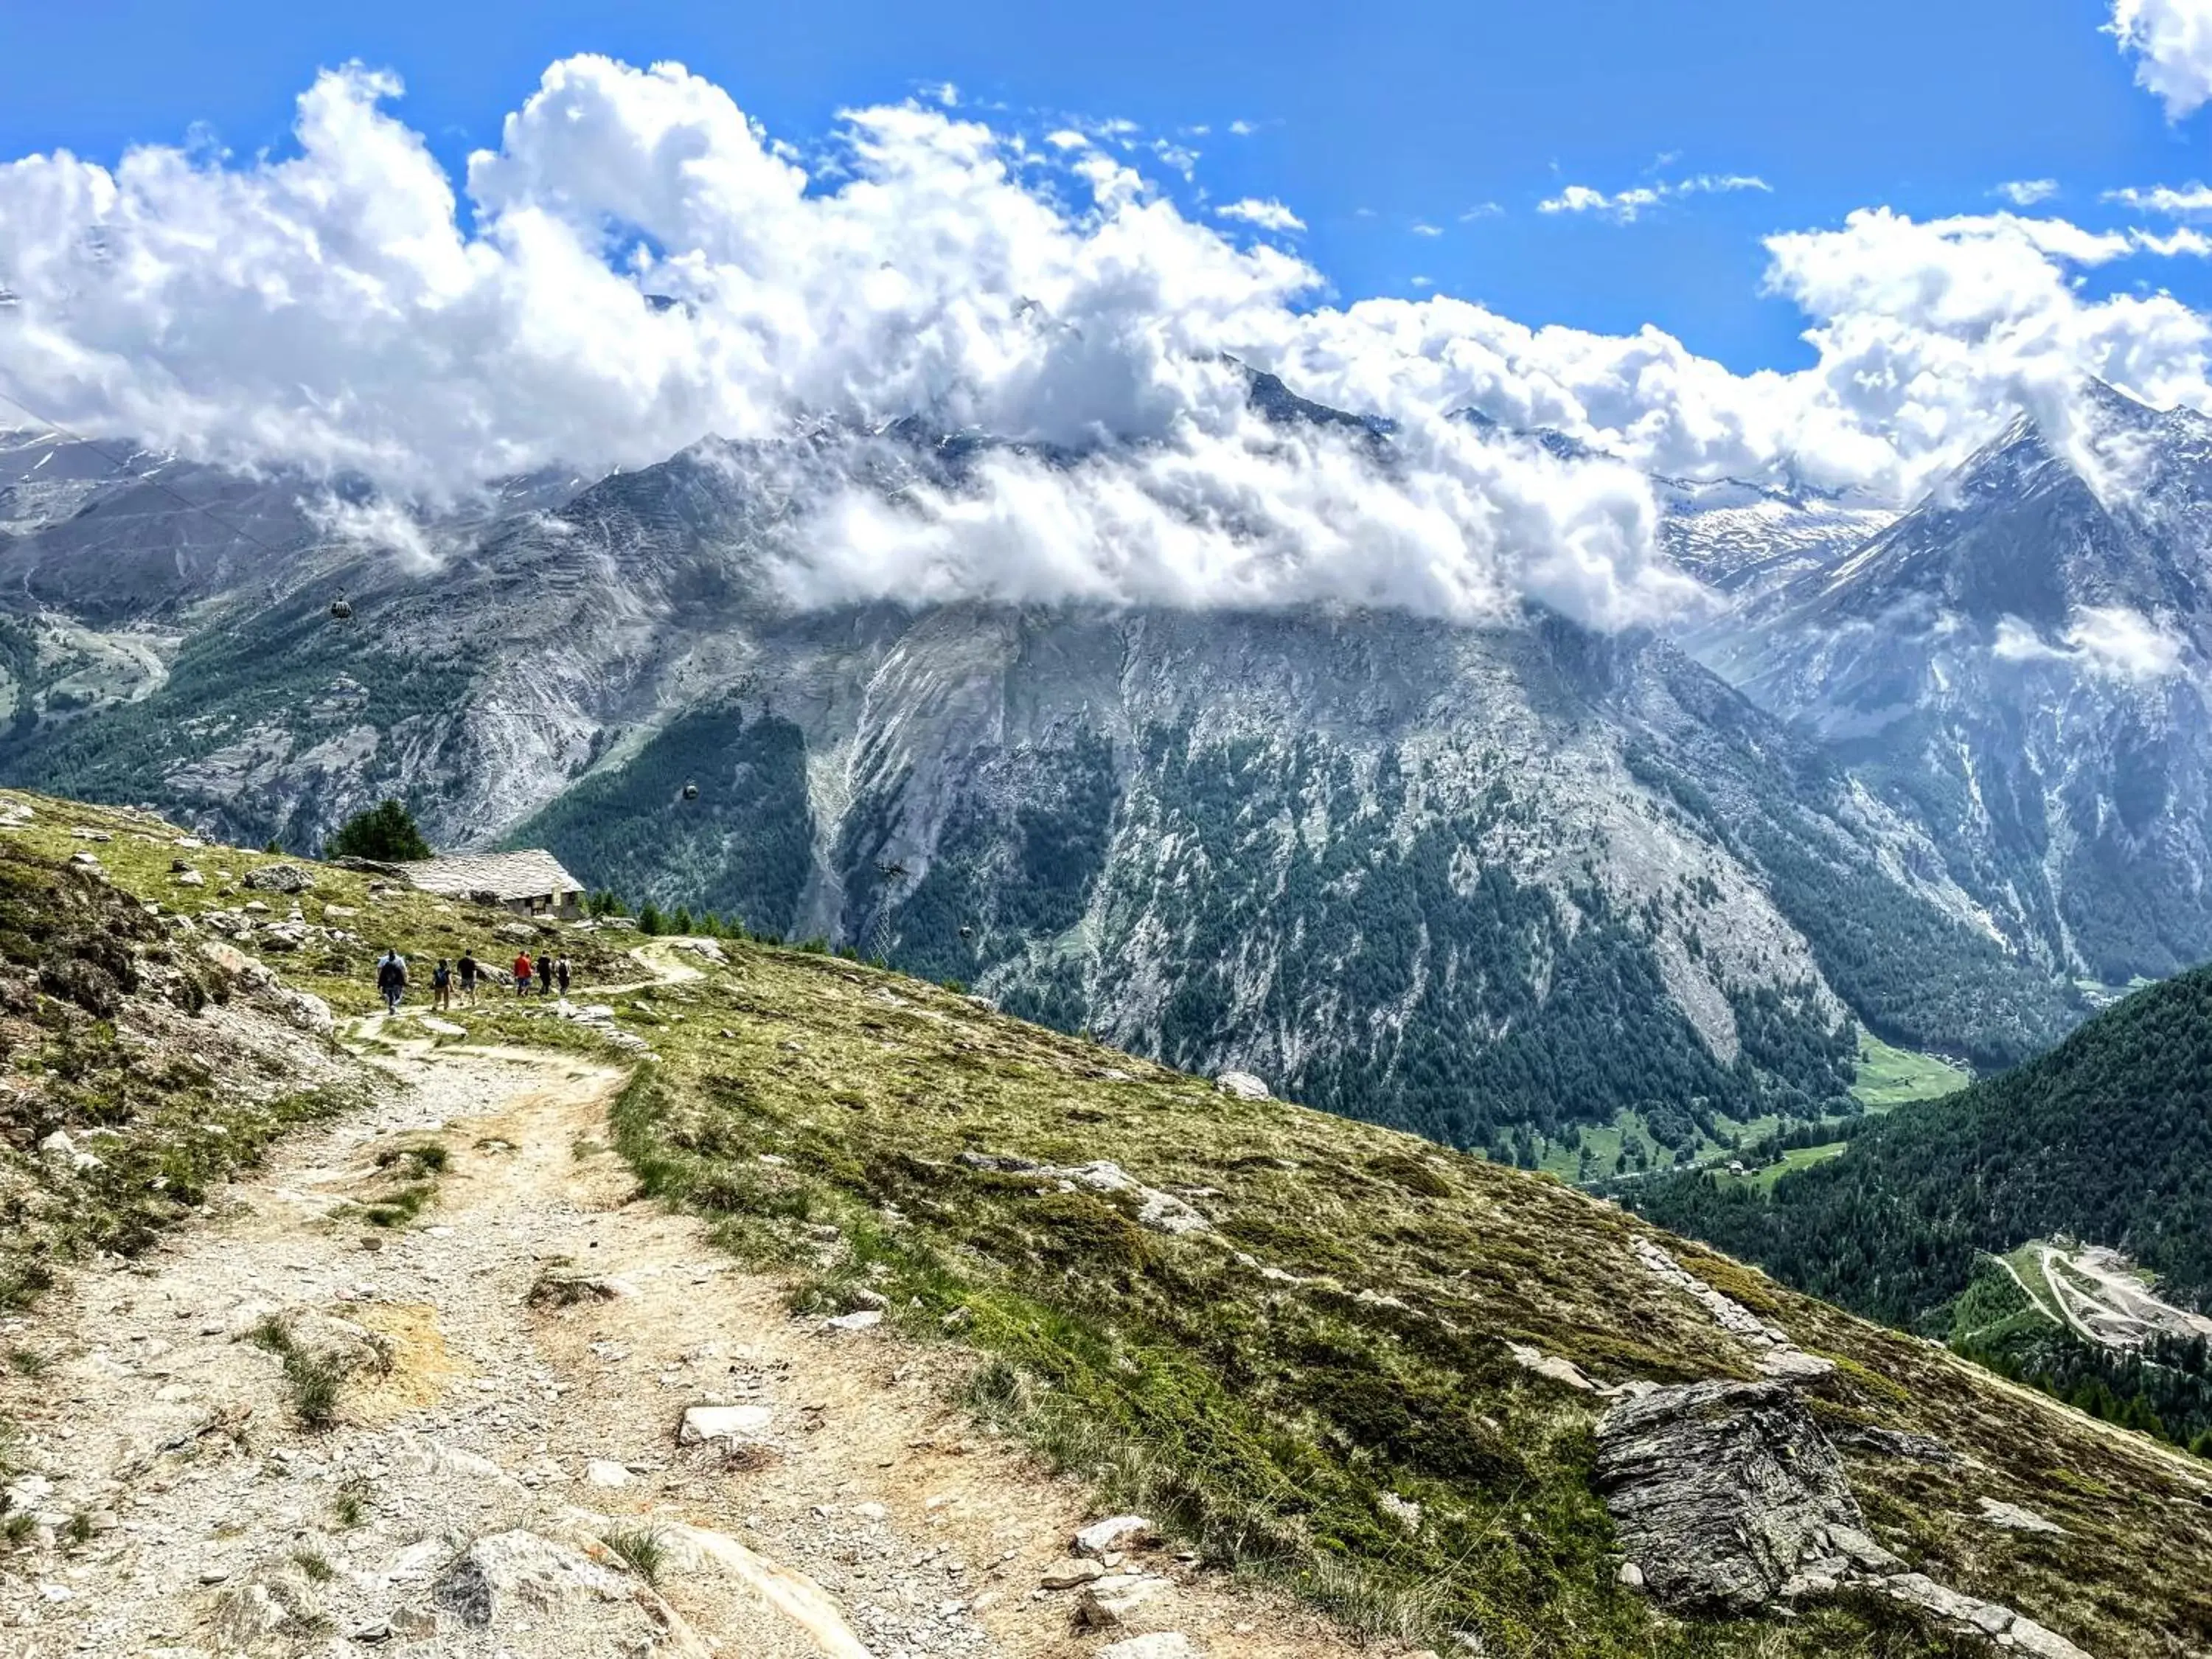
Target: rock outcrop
column 1728, row 1498
column 1724, row 1491
column 1969, row 1615
column 2011, row 1518
column 1893, row 1443
column 1778, row 1355
column 279, row 879
column 1161, row 1212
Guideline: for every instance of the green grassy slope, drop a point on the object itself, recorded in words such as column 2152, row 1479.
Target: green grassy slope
column 104, row 1041
column 1890, row 1077
column 1338, row 1332
column 1884, row 1078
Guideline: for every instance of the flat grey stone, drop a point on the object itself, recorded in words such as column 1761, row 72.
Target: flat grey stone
column 1112, row 1533
column 704, row 1423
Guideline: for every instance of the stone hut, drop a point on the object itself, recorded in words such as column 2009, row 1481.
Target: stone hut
column 529, row 883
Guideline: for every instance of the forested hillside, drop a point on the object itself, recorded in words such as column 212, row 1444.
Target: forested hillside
column 740, row 848
column 2106, row 1140
column 2108, row 1137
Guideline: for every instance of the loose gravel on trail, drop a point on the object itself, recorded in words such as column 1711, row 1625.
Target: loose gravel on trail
column 504, row 1472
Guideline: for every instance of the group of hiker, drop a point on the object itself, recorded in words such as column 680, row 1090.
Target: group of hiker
column 549, row 973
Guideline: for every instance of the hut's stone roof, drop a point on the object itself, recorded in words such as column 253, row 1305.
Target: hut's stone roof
column 534, row 873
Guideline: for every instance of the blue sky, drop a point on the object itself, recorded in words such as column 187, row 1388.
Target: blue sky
column 1367, row 120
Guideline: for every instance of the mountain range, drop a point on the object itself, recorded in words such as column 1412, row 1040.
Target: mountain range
column 1936, row 774
column 2018, row 663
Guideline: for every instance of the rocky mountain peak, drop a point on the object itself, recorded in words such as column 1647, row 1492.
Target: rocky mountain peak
column 2104, row 500
column 2017, row 662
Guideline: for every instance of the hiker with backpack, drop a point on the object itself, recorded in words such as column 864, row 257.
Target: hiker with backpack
column 441, row 985
column 469, row 971
column 391, row 979
column 560, row 975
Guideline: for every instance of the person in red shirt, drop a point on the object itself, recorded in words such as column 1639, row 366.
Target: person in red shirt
column 522, row 973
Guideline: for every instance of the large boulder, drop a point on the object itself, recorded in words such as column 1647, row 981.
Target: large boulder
column 303, row 1011
column 236, row 965
column 1116, row 1532
column 1724, row 1493
column 279, row 879
column 1110, row 1603
column 284, row 936
column 702, row 1424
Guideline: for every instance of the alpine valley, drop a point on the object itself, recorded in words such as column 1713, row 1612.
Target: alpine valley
column 1937, row 781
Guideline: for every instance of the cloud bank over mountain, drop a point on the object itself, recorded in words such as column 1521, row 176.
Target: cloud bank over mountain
column 2113, row 640
column 637, row 265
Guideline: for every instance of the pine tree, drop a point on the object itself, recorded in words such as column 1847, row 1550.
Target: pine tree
column 386, row 832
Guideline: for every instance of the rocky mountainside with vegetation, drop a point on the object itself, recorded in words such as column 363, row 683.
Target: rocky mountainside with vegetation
column 1508, row 884
column 1445, row 1402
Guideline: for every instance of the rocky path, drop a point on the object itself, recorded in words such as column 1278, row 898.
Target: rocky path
column 501, row 1466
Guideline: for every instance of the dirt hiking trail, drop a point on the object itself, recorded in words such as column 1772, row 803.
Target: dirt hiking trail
column 504, row 1375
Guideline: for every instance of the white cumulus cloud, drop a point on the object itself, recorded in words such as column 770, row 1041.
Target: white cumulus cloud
column 2026, row 192
column 2124, row 642
column 2167, row 199
column 1264, row 212
column 1230, row 510
column 2172, row 41
column 635, row 265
